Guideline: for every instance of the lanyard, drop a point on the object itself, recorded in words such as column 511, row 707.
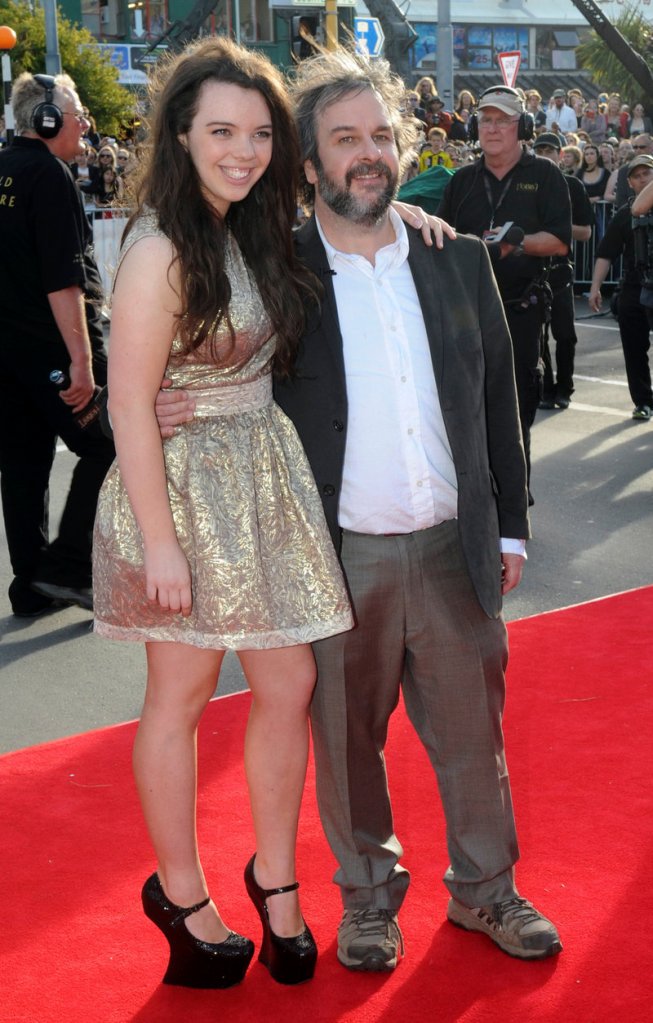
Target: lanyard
column 488, row 191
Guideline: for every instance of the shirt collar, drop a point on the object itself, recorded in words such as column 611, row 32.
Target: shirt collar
column 394, row 254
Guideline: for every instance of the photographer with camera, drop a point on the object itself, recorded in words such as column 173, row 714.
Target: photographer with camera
column 619, row 240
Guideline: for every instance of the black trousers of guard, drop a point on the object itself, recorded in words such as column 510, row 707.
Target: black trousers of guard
column 634, row 331
column 563, row 331
column 32, row 416
column 525, row 327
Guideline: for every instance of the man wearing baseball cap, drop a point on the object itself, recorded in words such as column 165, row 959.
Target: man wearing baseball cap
column 631, row 315
column 557, row 393
column 560, row 114
column 509, row 184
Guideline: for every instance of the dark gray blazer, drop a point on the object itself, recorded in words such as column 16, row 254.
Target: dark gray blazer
column 473, row 367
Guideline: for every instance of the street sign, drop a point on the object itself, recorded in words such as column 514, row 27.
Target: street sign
column 509, row 64
column 369, row 36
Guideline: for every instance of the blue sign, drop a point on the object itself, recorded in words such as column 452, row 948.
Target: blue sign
column 369, row 36
column 118, row 55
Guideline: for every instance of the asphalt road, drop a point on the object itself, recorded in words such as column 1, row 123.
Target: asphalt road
column 592, row 523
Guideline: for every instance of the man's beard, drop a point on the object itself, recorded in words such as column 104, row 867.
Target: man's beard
column 366, row 213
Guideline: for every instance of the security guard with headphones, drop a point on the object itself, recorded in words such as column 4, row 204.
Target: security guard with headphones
column 509, row 185
column 50, row 321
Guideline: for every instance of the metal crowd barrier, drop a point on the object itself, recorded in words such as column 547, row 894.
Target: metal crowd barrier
column 584, row 253
column 108, row 224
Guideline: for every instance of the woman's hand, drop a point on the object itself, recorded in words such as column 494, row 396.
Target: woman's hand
column 430, row 226
column 167, row 577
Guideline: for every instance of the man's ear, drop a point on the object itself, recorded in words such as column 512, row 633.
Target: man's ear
column 310, row 172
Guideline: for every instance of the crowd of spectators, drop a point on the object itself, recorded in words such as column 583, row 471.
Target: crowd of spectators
column 598, row 137
column 102, row 171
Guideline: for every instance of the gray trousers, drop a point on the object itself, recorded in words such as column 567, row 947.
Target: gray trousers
column 420, row 627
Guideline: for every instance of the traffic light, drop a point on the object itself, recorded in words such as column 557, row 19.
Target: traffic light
column 304, row 31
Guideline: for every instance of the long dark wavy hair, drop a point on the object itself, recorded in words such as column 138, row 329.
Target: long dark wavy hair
column 169, row 184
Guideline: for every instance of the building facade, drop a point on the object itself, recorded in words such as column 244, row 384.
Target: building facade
column 545, row 34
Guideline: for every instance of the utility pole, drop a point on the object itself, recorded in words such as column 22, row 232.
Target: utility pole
column 7, row 42
column 445, row 55
column 331, row 24
column 52, row 55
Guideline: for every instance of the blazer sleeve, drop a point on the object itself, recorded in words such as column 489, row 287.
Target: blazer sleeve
column 505, row 447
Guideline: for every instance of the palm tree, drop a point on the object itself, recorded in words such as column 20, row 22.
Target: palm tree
column 606, row 69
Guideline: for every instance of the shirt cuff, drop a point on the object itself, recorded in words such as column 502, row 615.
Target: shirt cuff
column 513, row 547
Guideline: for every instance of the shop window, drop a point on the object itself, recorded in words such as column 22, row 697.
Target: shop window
column 556, row 48
column 474, row 46
column 148, row 19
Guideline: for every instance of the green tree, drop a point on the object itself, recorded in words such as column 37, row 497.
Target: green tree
column 606, row 69
column 97, row 80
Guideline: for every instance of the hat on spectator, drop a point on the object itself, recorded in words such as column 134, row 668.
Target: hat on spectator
column 547, row 138
column 640, row 161
column 559, row 92
column 506, row 100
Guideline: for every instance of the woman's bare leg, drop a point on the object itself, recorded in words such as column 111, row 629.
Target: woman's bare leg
column 181, row 680
column 276, row 754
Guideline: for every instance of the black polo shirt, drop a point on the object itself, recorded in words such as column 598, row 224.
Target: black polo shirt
column 45, row 241
column 618, row 240
column 533, row 195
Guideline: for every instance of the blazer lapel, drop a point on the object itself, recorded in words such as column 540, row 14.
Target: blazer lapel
column 309, row 248
column 426, row 275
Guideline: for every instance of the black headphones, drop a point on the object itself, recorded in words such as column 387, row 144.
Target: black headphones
column 525, row 126
column 47, row 118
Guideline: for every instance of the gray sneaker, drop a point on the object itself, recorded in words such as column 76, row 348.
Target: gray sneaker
column 369, row 939
column 514, row 925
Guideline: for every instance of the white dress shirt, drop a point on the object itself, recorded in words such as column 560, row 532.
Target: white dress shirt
column 398, row 474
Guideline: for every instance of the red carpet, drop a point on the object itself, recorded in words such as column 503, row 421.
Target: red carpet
column 76, row 949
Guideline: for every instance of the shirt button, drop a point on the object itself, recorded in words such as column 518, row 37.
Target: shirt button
column 328, row 490
column 419, row 483
column 403, row 380
column 410, row 431
column 337, row 425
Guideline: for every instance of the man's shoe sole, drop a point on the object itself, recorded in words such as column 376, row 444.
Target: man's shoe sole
column 69, row 594
column 56, row 605
column 457, row 915
column 370, row 964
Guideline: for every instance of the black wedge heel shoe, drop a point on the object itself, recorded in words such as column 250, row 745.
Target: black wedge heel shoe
column 194, row 963
column 289, row 960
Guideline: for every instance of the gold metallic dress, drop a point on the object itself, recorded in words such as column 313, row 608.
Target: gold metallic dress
column 245, row 506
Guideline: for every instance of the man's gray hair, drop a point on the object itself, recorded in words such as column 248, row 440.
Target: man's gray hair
column 331, row 76
column 26, row 95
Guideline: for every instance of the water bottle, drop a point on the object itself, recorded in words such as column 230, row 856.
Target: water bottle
column 91, row 412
